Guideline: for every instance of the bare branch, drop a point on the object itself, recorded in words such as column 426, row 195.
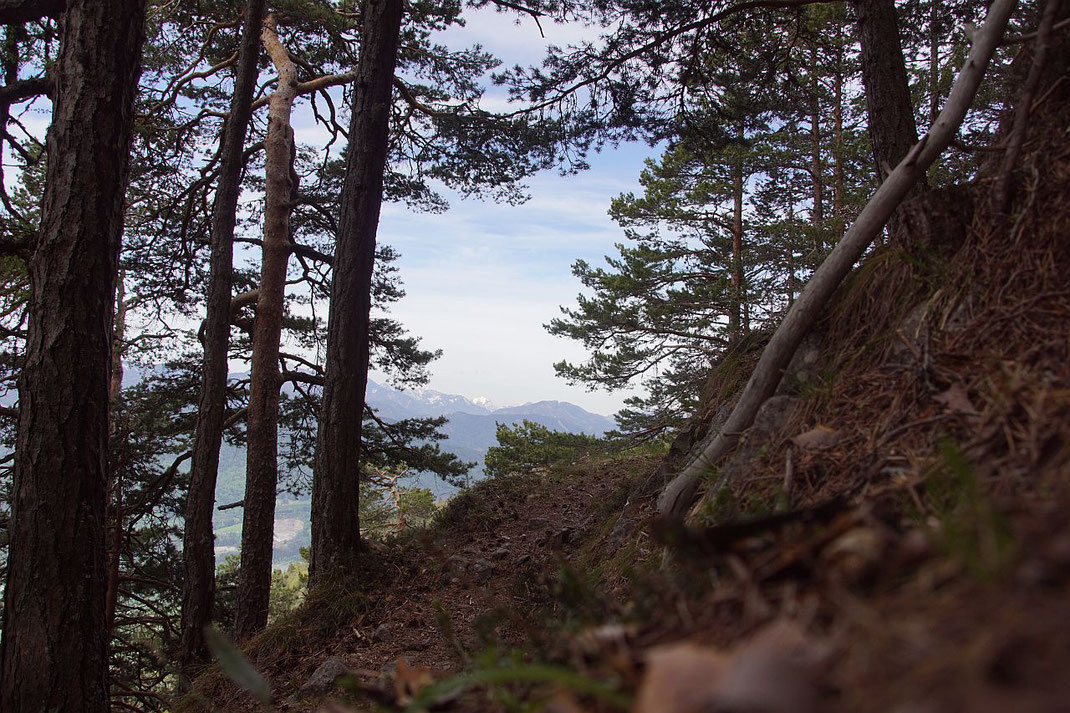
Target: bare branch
column 25, row 89
column 15, row 12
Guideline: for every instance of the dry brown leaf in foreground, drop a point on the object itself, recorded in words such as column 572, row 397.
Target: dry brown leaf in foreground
column 777, row 671
column 408, row 680
column 821, row 436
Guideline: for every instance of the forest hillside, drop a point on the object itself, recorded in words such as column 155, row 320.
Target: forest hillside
column 889, row 536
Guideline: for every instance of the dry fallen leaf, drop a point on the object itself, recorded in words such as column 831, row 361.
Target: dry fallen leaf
column 820, row 436
column 957, row 400
column 777, row 671
column 408, row 680
column 680, row 678
column 562, row 703
column 854, row 554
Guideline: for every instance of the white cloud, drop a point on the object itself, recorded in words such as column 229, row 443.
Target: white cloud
column 483, row 279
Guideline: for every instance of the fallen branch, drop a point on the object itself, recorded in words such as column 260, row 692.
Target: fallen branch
column 680, row 493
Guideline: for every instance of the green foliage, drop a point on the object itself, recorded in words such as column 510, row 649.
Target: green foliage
column 499, row 673
column 971, row 529
column 380, row 516
column 765, row 165
column 236, row 667
column 529, row 445
column 288, row 588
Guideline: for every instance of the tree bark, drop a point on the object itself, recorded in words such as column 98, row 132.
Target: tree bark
column 53, row 655
column 817, row 210
column 892, row 129
column 679, row 494
column 198, row 542
column 335, row 485
column 262, row 467
column 736, row 326
column 837, row 140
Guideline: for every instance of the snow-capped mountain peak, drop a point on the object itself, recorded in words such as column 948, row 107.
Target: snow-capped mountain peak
column 484, row 402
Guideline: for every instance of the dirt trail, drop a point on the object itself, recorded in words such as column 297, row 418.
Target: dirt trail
column 489, row 568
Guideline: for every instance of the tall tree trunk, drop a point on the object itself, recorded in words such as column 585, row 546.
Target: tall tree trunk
column 736, row 326
column 837, row 140
column 892, row 129
column 935, row 35
column 262, row 469
column 817, row 211
column 117, row 449
column 198, row 542
column 54, row 653
column 791, row 255
column 335, row 485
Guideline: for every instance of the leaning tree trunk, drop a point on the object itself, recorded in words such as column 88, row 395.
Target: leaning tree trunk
column 198, row 542
column 335, row 520
column 892, row 129
column 262, row 466
column 679, row 494
column 54, row 656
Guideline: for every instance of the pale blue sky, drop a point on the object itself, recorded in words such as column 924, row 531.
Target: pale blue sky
column 482, row 279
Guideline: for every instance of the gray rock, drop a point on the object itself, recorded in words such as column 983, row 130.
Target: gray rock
column 324, row 677
column 456, row 566
column 381, row 633
column 481, row 569
column 804, row 367
column 622, row 531
column 770, row 419
column 772, row 416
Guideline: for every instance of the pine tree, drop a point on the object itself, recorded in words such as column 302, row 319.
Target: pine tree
column 53, row 654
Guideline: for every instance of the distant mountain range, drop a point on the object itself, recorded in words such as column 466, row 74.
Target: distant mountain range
column 470, row 431
column 473, row 423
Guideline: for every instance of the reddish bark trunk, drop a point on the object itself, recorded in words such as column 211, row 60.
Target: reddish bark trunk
column 262, row 468
column 892, row 129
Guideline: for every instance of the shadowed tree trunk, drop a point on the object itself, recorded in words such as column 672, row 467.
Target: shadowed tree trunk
column 837, row 139
column 53, row 656
column 892, row 129
column 817, row 169
column 335, row 485
column 198, row 543
column 737, row 323
column 262, row 467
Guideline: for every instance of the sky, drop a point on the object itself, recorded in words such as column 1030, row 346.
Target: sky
column 482, row 279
